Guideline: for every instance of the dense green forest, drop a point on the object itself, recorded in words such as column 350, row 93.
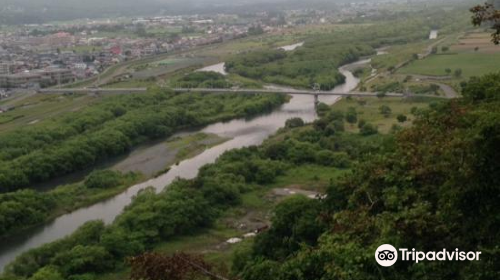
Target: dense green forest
column 317, row 61
column 431, row 186
column 111, row 127
column 438, row 187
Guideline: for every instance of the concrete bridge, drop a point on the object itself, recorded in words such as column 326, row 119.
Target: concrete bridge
column 314, row 93
column 283, row 91
column 92, row 90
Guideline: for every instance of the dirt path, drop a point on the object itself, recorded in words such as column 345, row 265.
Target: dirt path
column 428, row 77
column 428, row 50
column 449, row 92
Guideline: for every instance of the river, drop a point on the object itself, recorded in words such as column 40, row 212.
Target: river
column 219, row 67
column 243, row 133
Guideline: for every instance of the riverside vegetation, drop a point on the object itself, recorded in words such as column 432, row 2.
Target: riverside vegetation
column 411, row 189
column 23, row 209
column 83, row 139
column 316, row 63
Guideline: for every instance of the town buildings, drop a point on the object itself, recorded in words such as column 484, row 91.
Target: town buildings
column 36, row 78
column 49, row 54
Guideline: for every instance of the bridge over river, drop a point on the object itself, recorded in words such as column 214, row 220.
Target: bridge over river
column 314, row 93
column 240, row 132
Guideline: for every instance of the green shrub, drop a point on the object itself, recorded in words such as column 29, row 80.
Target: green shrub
column 368, row 129
column 103, row 179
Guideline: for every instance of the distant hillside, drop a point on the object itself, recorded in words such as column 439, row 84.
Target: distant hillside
column 39, row 11
column 36, row 11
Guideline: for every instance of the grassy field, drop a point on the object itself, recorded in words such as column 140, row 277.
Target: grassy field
column 473, row 52
column 41, row 107
column 398, row 54
column 394, row 57
column 472, row 64
column 169, row 61
column 223, row 51
column 309, row 177
column 167, row 66
column 369, row 111
column 472, row 40
column 132, row 83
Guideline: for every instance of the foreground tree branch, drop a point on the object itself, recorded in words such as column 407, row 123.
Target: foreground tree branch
column 487, row 14
column 180, row 266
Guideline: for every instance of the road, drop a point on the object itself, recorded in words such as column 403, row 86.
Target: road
column 449, row 92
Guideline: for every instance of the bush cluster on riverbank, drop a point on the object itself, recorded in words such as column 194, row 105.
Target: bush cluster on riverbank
column 300, row 69
column 82, row 139
column 24, row 209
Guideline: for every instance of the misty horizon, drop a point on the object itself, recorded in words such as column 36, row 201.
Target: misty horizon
column 41, row 11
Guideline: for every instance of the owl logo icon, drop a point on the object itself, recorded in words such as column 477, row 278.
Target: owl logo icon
column 386, row 255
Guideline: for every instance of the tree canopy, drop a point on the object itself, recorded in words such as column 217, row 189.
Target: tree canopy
column 109, row 128
column 436, row 189
column 488, row 14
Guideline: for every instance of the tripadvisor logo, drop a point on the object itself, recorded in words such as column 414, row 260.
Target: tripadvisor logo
column 386, row 255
